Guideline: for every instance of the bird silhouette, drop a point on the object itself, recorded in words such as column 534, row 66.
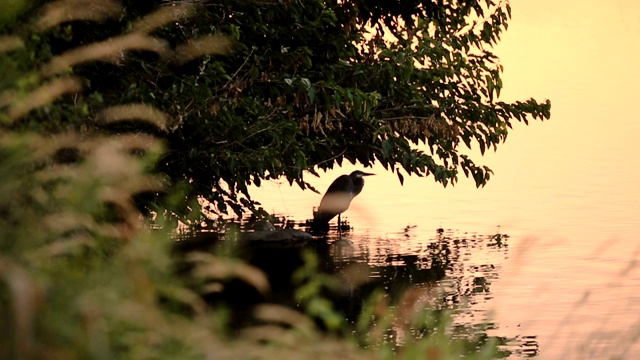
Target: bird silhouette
column 338, row 198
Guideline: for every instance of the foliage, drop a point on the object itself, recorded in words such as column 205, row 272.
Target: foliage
column 81, row 278
column 311, row 284
column 81, row 275
column 303, row 86
column 78, row 278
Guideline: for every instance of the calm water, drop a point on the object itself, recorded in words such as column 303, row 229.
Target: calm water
column 567, row 192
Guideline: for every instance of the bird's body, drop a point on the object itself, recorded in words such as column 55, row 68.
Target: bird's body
column 338, row 197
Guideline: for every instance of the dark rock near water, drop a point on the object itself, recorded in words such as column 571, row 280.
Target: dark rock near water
column 284, row 237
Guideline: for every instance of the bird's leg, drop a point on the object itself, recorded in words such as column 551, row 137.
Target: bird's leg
column 339, row 225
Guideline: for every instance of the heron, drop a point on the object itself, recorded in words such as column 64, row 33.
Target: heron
column 338, row 197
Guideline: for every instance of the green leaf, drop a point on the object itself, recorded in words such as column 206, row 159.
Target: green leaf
column 387, row 148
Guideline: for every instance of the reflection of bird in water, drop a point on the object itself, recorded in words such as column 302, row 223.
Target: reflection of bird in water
column 338, row 197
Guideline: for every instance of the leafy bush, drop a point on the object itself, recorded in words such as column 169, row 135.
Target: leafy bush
column 220, row 97
column 249, row 91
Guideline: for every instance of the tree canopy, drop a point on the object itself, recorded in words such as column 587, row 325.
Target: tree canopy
column 246, row 91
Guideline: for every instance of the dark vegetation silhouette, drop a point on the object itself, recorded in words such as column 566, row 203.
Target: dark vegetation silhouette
column 248, row 91
column 121, row 117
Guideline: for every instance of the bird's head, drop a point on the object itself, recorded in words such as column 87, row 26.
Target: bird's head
column 359, row 174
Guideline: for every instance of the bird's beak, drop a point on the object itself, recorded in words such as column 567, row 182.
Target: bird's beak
column 367, row 174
